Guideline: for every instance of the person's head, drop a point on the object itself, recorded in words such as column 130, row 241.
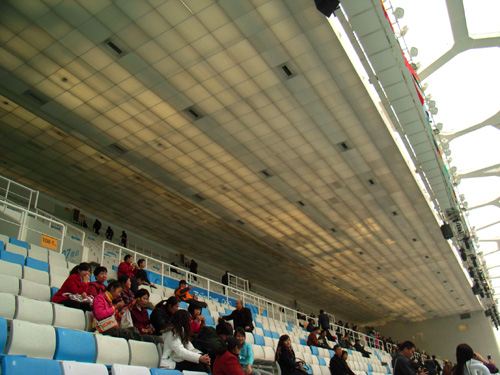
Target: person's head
column 141, row 276
column 357, row 341
column 83, row 269
column 128, row 259
column 172, row 305
column 232, row 345
column 317, row 330
column 114, row 288
column 324, row 333
column 344, row 355
column 321, row 311
column 338, row 350
column 240, row 335
column 239, row 304
column 407, row 348
column 464, row 354
column 224, row 330
column 142, row 297
column 284, row 345
column 141, row 263
column 311, row 321
column 101, row 274
column 125, row 280
column 195, row 310
column 182, row 284
column 181, row 326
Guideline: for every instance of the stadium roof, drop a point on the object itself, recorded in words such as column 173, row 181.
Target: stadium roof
column 236, row 132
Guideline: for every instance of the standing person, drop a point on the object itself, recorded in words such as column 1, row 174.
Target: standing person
column 76, row 283
column 338, row 366
column 123, row 239
column 401, row 364
column 324, row 323
column 128, row 268
column 285, row 356
column 97, row 287
column 97, row 226
column 225, row 281
column 246, row 354
column 466, row 359
column 228, row 363
column 193, row 268
column 109, row 233
column 242, row 317
column 178, row 352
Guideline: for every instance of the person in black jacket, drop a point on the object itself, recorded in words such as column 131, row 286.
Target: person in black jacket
column 242, row 317
column 324, row 323
column 360, row 348
column 285, row 356
column 338, row 366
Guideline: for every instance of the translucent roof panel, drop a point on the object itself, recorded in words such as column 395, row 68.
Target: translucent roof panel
column 487, row 247
column 480, row 190
column 476, row 150
column 433, row 37
column 482, row 18
column 490, row 233
column 481, row 217
column 465, row 88
column 494, row 272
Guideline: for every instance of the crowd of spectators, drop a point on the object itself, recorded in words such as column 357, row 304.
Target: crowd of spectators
column 189, row 344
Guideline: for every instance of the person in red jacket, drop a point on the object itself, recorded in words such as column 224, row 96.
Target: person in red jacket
column 228, row 362
column 97, row 287
column 76, row 283
column 127, row 268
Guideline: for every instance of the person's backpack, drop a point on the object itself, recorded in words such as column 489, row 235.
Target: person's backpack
column 209, row 342
column 159, row 320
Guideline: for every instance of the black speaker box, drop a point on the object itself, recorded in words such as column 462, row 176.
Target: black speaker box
column 447, row 232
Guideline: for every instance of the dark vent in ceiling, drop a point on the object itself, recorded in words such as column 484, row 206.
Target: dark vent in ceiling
column 240, row 222
column 465, row 316
column 344, row 146
column 394, row 213
column 266, row 173
column 199, row 197
column 371, row 182
column 119, row 148
column 300, row 203
column 287, row 71
column 115, row 48
column 194, row 113
column 333, row 230
column 35, row 97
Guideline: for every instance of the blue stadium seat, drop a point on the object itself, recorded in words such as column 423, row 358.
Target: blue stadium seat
column 228, row 311
column 322, row 361
column 154, row 277
column 92, row 278
column 209, row 321
column 258, row 340
column 17, row 365
column 164, row 371
column 267, row 333
column 74, row 346
column 53, row 290
column 370, row 368
column 314, row 350
column 275, row 335
column 332, row 353
column 259, row 325
column 183, row 305
column 349, row 351
column 11, row 257
column 3, row 334
column 2, row 245
column 289, row 329
column 302, row 341
column 114, row 268
column 17, row 242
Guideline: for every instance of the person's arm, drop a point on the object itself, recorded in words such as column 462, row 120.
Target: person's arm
column 102, row 309
column 230, row 316
column 247, row 318
column 137, row 319
column 179, row 349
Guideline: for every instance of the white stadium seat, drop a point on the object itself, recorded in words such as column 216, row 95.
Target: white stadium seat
column 31, row 339
column 9, row 284
column 16, row 249
column 57, row 259
column 34, row 311
column 57, row 281
column 39, row 253
column 80, row 368
column 143, row 354
column 11, row 269
column 35, row 275
column 131, row 370
column 66, row 317
column 34, row 290
column 7, row 305
column 110, row 350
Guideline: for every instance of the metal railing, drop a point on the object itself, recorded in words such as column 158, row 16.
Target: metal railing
column 24, row 214
column 17, row 193
column 71, row 231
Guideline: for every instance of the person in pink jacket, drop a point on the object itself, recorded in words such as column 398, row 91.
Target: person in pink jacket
column 76, row 283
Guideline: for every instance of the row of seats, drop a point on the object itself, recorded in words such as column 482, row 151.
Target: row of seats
column 15, row 365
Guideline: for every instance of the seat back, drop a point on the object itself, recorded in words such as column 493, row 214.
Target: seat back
column 66, row 317
column 57, row 281
column 7, row 306
column 111, row 350
column 164, row 371
column 35, row 275
column 3, row 334
column 7, row 256
column 34, row 290
column 143, row 354
column 16, row 249
column 78, row 368
column 74, row 346
column 9, row 284
column 34, row 311
column 11, row 269
column 37, row 264
column 57, row 259
column 118, row 369
column 14, row 365
column 38, row 252
column 31, row 339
